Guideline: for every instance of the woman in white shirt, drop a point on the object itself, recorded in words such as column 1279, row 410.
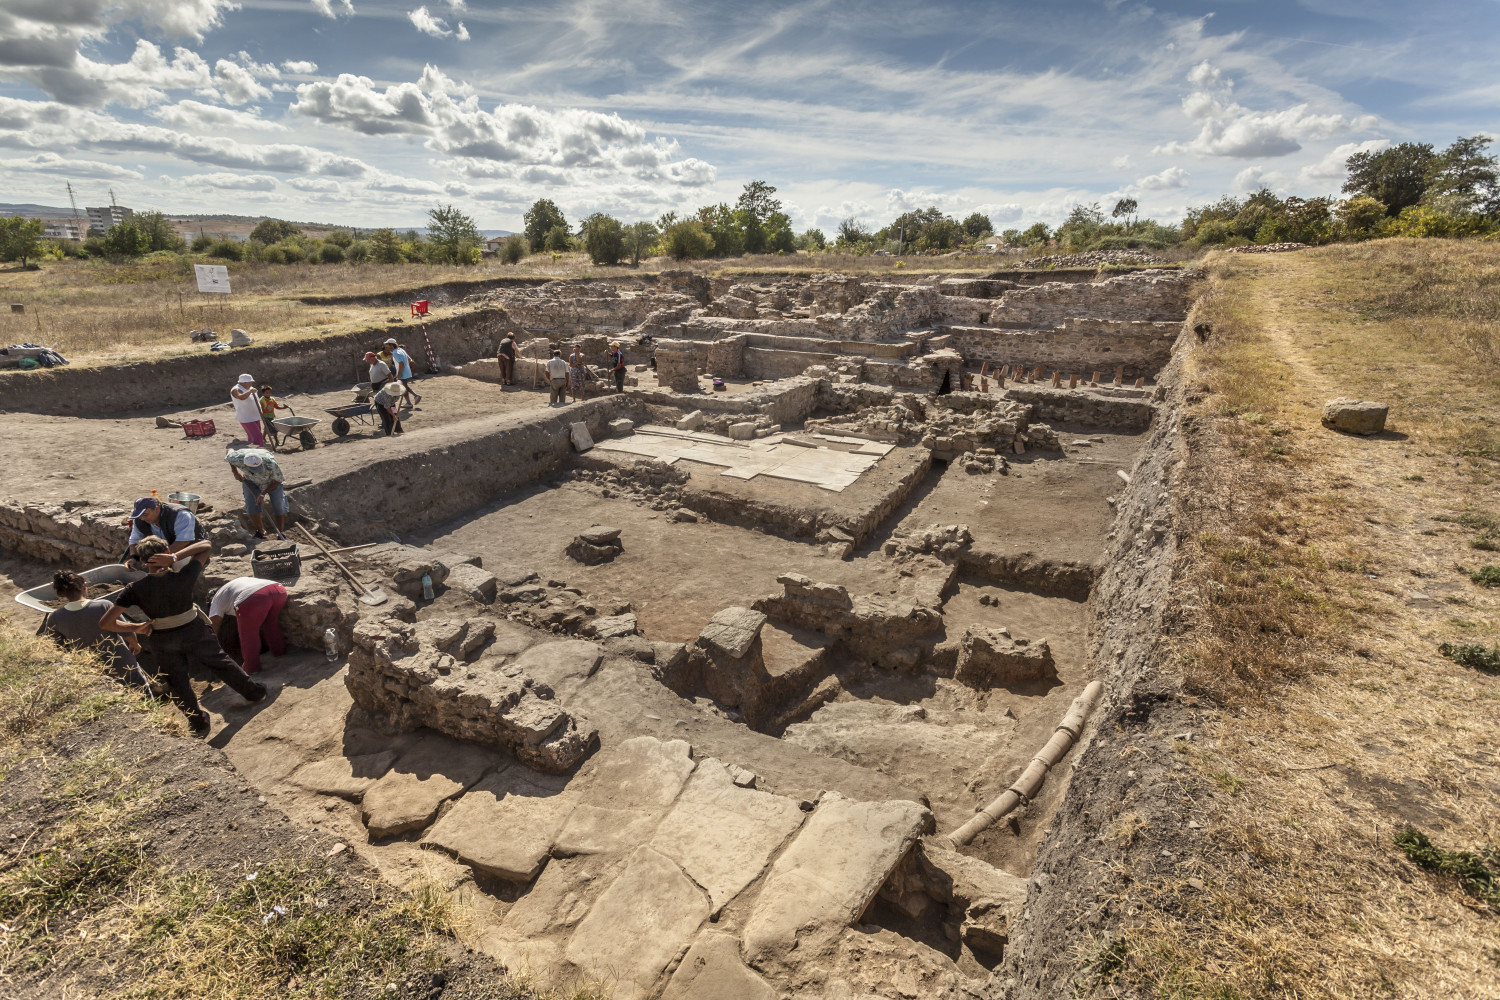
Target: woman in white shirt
column 247, row 409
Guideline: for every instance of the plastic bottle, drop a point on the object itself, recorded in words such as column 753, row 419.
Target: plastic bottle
column 331, row 644
column 157, row 497
column 427, row 593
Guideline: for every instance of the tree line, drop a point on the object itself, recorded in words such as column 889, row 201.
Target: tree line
column 1410, row 189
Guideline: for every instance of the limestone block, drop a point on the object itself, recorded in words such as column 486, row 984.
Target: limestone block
column 712, row 970
column 621, row 426
column 479, row 584
column 733, row 631
column 601, row 534
column 723, row 834
column 989, row 656
column 827, row 877
column 613, row 626
column 432, row 772
column 505, row 824
column 346, row 777
column 407, row 575
column 1355, row 416
column 562, row 667
column 580, row 434
column 590, row 554
column 639, row 924
column 626, row 792
column 744, row 431
column 532, row 935
column 691, row 422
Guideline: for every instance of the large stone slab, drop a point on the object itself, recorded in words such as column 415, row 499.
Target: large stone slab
column 409, row 795
column 535, row 930
column 346, row 777
column 625, row 792
column 724, row 835
column 562, row 666
column 827, row 876
column 733, row 631
column 1355, row 416
column 712, row 970
column 504, row 825
column 638, row 925
column 990, row 656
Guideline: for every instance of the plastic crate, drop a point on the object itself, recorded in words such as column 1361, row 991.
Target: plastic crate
column 198, row 428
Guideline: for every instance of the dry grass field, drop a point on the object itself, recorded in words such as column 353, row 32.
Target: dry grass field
column 1320, row 576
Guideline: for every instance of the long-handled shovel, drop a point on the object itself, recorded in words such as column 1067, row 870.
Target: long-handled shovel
column 367, row 595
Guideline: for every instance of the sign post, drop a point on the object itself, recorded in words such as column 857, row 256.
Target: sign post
column 213, row 279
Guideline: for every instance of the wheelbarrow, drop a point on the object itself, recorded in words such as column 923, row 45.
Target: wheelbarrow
column 363, row 412
column 300, row 426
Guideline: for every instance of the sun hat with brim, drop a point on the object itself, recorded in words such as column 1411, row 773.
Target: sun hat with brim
column 142, row 505
column 251, row 461
column 390, row 341
column 247, row 378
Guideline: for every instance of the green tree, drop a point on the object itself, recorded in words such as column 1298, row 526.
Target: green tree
column 513, row 249
column 541, row 218
column 1465, row 179
column 1359, row 217
column 1037, row 234
column 977, row 224
column 1398, row 176
column 812, row 239
column 639, row 239
column 20, row 239
column 851, row 231
column 385, row 247
column 725, row 228
column 359, row 251
column 160, row 235
column 270, row 231
column 125, row 239
column 603, row 238
column 452, row 235
column 1125, row 210
column 779, row 235
column 557, row 240
column 944, row 234
column 688, row 240
column 757, row 201
column 340, row 238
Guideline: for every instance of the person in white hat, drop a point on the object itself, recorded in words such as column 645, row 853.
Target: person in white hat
column 247, row 409
column 260, row 478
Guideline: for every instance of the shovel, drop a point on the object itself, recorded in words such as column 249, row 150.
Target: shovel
column 370, row 595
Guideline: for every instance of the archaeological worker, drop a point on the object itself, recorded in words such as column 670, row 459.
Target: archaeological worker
column 179, row 637
column 247, row 409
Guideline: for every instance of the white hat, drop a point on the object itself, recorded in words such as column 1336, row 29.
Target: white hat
column 390, row 340
column 251, row 461
column 247, row 377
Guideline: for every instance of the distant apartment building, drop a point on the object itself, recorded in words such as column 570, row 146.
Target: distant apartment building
column 62, row 231
column 107, row 217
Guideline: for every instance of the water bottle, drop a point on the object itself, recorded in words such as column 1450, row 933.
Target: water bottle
column 427, row 593
column 331, row 644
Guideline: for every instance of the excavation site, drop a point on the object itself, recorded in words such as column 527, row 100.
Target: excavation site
column 764, row 675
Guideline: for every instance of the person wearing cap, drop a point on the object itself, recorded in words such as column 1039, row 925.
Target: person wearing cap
column 617, row 365
column 506, row 355
column 247, row 409
column 380, row 372
column 401, row 364
column 259, row 477
column 557, row 371
column 179, row 637
column 172, row 523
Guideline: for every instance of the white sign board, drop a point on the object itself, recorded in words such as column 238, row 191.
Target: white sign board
column 212, row 278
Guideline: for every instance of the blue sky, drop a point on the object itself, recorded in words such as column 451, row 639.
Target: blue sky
column 368, row 113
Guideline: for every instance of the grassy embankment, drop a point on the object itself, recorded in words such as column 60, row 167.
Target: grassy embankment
column 89, row 907
column 1320, row 575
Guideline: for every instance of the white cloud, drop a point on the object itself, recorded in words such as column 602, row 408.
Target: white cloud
column 51, row 163
column 449, row 116
column 327, row 8
column 463, row 33
column 322, row 184
column 238, row 84
column 1229, row 129
column 300, row 66
column 1169, row 179
column 228, row 182
column 1255, row 178
column 1122, row 162
column 457, row 6
column 1332, row 166
column 429, row 25
column 197, row 115
column 55, row 127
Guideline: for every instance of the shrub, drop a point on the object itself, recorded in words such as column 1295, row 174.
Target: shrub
column 1488, row 576
column 688, row 241
column 358, row 252
column 513, row 250
column 1486, row 661
column 1421, row 221
column 227, row 250
column 1213, row 233
column 557, row 240
column 202, row 242
column 603, row 238
column 340, row 238
column 331, row 253
column 1476, row 872
column 1359, row 217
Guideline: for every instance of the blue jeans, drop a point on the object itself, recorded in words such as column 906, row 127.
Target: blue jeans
column 277, row 497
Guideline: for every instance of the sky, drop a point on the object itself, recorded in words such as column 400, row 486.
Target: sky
column 368, row 113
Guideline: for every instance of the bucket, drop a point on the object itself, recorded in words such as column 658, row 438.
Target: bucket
column 188, row 500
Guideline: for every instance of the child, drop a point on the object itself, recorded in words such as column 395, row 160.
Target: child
column 269, row 404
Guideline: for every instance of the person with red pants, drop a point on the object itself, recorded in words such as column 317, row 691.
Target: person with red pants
column 256, row 606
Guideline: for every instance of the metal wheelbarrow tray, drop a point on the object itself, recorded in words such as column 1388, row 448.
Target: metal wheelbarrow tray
column 113, row 573
column 300, row 426
column 364, row 413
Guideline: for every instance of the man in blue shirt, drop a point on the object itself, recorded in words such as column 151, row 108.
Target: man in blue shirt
column 404, row 370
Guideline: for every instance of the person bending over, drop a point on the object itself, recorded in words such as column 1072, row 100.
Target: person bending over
column 179, row 637
column 77, row 625
column 255, row 605
column 260, row 477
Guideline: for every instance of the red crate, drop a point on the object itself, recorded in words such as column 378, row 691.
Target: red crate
column 198, row 428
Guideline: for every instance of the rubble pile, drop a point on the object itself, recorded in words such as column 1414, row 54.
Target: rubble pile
column 1093, row 258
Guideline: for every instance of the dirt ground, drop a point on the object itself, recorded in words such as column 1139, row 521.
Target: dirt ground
column 56, row 458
